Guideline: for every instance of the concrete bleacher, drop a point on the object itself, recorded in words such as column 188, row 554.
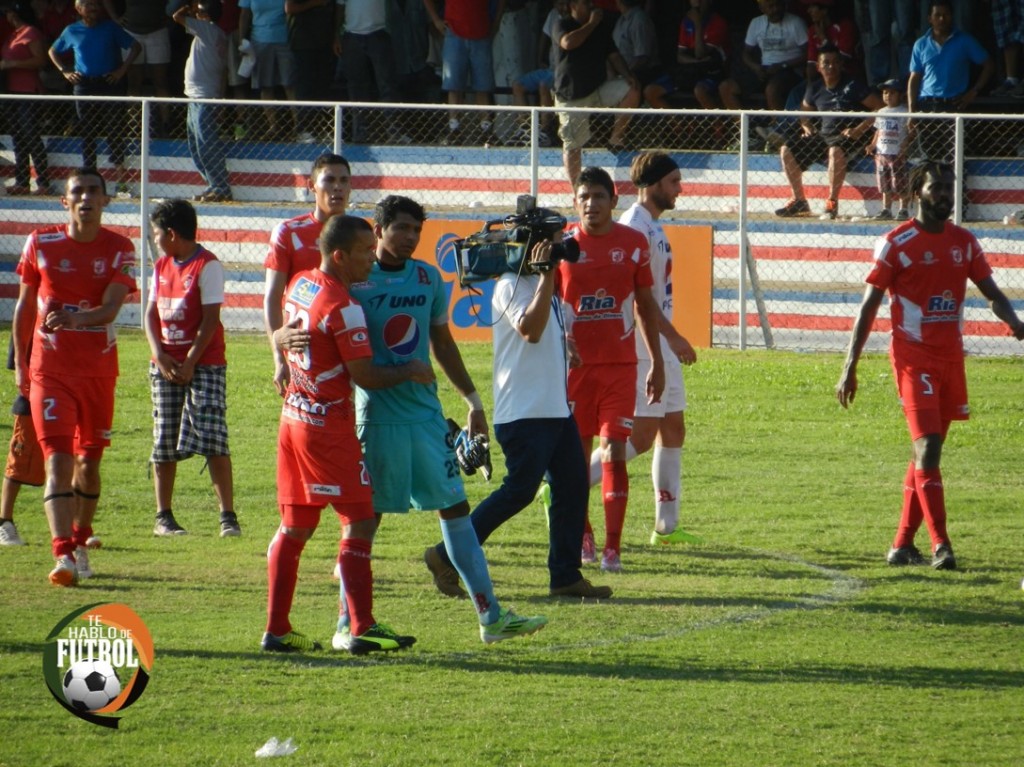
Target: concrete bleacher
column 811, row 271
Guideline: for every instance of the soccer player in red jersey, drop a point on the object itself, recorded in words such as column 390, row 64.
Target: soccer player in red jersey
column 294, row 245
column 74, row 279
column 599, row 292
column 319, row 460
column 188, row 370
column 925, row 264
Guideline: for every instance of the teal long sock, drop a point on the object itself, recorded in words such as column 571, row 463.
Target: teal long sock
column 465, row 553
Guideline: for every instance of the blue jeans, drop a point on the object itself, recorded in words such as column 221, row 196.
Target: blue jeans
column 534, row 447
column 209, row 152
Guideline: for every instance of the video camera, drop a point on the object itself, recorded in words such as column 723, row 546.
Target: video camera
column 504, row 244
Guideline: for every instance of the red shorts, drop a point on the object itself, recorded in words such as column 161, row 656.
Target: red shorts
column 602, row 398
column 315, row 470
column 72, row 413
column 933, row 391
column 25, row 462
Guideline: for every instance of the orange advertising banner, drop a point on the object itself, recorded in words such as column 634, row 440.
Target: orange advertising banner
column 469, row 309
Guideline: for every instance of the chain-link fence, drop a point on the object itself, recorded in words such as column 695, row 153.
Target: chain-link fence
column 778, row 282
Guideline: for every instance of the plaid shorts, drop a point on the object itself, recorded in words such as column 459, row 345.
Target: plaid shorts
column 189, row 420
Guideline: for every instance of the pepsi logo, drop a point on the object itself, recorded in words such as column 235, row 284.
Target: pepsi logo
column 401, row 334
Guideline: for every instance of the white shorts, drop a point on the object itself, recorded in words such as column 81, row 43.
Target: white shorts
column 673, row 399
column 156, row 47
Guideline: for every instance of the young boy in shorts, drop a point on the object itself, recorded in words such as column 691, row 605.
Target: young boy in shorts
column 187, row 375
column 889, row 145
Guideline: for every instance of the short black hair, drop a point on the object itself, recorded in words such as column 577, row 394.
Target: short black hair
column 340, row 232
column 919, row 173
column 387, row 210
column 592, row 175
column 328, row 158
column 829, row 48
column 214, row 9
column 178, row 215
column 88, row 170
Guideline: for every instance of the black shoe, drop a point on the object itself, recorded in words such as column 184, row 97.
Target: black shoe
column 166, row 524
column 943, row 558
column 229, row 527
column 793, row 208
column 905, row 555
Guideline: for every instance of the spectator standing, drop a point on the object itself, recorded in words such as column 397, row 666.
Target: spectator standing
column 265, row 25
column 22, row 56
column 586, row 52
column 188, row 370
column 74, row 279
column 924, row 264
column 889, row 145
column 606, row 294
column 773, row 60
column 205, row 79
column 146, row 21
column 312, row 37
column 368, row 58
column 940, row 78
column 834, row 139
column 1008, row 26
column 409, row 26
column 878, row 20
column 98, row 70
column 468, row 29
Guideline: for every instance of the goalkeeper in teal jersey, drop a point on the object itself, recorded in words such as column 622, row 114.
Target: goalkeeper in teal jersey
column 406, row 441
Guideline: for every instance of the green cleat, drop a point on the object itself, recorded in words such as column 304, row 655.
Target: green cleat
column 378, row 638
column 676, row 536
column 293, row 641
column 510, row 625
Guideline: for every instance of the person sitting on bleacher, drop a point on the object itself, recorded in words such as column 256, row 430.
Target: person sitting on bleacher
column 835, row 139
column 773, row 60
column 700, row 60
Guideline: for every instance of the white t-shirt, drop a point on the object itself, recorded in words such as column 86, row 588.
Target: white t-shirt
column 639, row 218
column 364, row 17
column 780, row 42
column 529, row 379
column 891, row 124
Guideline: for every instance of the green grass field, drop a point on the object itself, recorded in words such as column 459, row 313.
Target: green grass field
column 784, row 639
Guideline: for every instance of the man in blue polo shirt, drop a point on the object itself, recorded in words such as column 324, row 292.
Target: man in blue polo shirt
column 99, row 69
column 940, row 78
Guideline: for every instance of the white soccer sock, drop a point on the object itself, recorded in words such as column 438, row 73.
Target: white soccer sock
column 595, row 462
column 666, row 474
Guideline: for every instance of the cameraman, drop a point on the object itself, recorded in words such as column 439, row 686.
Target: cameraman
column 533, row 424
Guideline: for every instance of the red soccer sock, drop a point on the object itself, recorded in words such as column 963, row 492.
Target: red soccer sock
column 81, row 534
column 357, row 576
column 63, row 547
column 282, row 574
column 912, row 515
column 615, row 492
column 928, row 483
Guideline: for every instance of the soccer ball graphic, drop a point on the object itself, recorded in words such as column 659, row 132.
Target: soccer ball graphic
column 91, row 684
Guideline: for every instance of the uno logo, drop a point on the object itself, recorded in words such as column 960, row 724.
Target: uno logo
column 401, row 334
